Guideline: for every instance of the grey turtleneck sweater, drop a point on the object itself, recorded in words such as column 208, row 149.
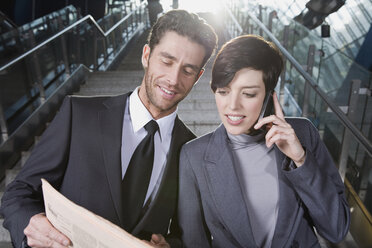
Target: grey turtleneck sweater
column 256, row 168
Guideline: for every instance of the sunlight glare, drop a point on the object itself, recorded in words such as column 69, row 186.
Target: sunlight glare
column 196, row 6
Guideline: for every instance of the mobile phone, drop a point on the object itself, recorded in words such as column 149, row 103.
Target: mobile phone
column 267, row 107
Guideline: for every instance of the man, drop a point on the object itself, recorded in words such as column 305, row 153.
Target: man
column 155, row 8
column 86, row 152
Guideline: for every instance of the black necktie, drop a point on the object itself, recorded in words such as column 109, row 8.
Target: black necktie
column 137, row 177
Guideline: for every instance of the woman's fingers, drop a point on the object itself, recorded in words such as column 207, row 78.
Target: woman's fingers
column 278, row 109
column 279, row 133
column 275, row 120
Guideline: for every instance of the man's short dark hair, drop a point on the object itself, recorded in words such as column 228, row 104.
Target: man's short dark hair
column 185, row 24
column 247, row 51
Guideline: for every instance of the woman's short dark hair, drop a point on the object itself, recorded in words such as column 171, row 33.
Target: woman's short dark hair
column 247, row 51
column 185, row 24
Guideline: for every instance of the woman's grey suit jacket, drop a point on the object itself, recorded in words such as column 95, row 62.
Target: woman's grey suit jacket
column 212, row 211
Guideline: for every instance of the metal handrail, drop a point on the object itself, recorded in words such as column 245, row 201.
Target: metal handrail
column 234, row 20
column 87, row 17
column 341, row 116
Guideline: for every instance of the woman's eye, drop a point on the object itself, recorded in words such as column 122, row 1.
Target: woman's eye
column 221, row 92
column 249, row 95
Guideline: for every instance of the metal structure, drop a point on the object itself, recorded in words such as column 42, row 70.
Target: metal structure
column 80, row 48
column 343, row 128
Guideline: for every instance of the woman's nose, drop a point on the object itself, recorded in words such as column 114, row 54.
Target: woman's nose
column 234, row 102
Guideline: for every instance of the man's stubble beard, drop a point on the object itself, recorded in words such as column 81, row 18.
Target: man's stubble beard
column 151, row 96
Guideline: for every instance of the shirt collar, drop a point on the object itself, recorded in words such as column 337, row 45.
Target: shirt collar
column 142, row 116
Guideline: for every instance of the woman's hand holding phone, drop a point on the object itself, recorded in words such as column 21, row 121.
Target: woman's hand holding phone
column 282, row 134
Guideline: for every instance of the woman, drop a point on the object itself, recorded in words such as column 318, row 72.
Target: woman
column 248, row 186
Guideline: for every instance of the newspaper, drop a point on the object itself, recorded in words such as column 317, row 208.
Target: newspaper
column 82, row 227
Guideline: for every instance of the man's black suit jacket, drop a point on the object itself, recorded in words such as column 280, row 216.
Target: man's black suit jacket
column 80, row 155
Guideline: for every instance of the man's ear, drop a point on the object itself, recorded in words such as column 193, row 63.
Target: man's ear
column 145, row 56
column 199, row 75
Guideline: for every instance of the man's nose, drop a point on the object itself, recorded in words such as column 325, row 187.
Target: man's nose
column 173, row 76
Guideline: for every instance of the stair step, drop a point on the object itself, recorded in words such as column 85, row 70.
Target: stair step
column 130, row 66
column 6, row 245
column 98, row 81
column 203, row 104
column 118, row 73
column 199, row 95
column 117, row 84
column 137, row 78
column 203, row 84
column 5, row 240
column 24, row 156
column 200, row 130
column 200, row 116
column 102, row 92
column 10, row 175
column 111, row 84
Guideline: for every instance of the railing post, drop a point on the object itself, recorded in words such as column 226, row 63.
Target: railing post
column 95, row 46
column 113, row 35
column 272, row 15
column 137, row 17
column 105, row 46
column 76, row 35
column 33, row 10
column 282, row 76
column 364, row 181
column 36, row 64
column 131, row 17
column 64, row 49
column 362, row 160
column 246, row 25
column 125, row 25
column 260, row 18
column 309, row 70
column 121, row 30
column 351, row 114
column 3, row 126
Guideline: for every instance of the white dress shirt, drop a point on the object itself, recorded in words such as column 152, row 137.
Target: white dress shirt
column 136, row 116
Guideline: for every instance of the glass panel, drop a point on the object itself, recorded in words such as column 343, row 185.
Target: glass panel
column 28, row 82
column 16, row 42
column 333, row 71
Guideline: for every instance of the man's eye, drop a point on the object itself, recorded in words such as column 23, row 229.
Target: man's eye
column 188, row 72
column 167, row 62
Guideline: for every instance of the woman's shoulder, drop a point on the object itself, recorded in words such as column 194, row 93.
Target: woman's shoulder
column 199, row 142
column 304, row 129
column 298, row 121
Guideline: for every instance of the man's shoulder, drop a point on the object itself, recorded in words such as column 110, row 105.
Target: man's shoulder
column 186, row 131
column 95, row 99
column 95, row 102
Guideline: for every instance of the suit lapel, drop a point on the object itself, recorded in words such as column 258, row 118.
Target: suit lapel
column 289, row 206
column 111, row 121
column 225, row 188
column 166, row 197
